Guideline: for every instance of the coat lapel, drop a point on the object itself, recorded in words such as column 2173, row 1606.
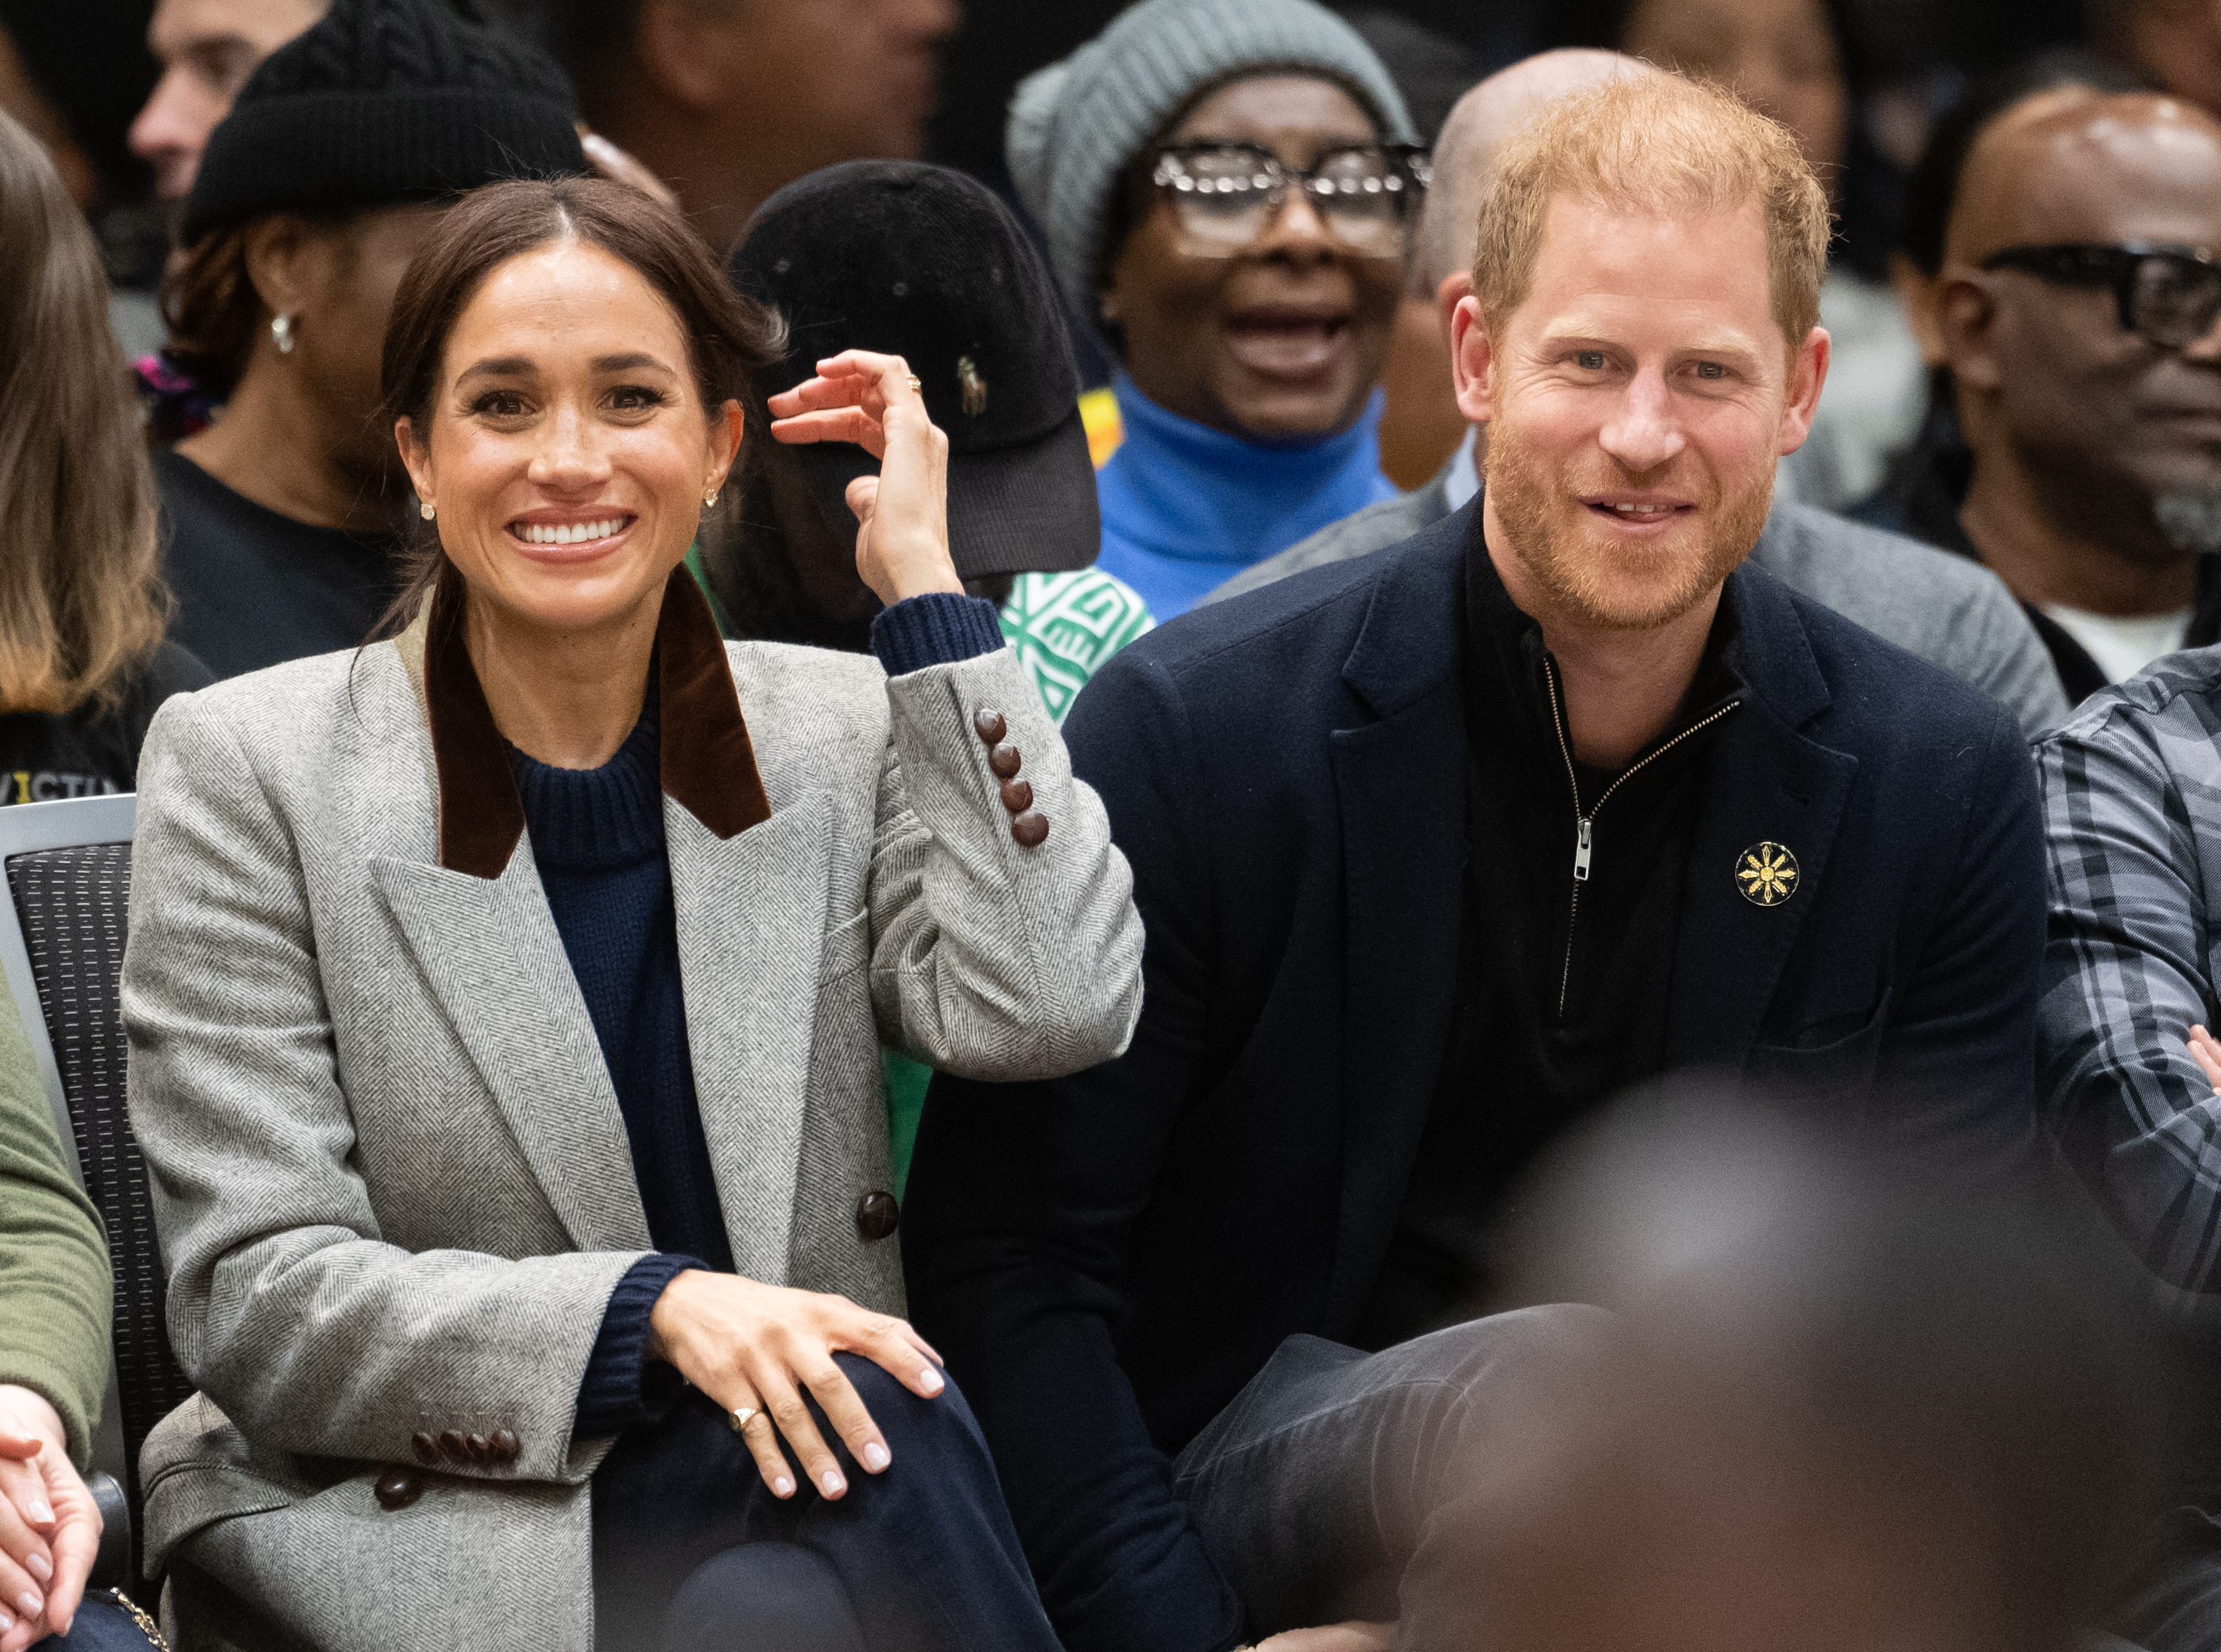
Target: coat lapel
column 1399, row 784
column 1765, row 783
column 489, row 950
column 752, row 915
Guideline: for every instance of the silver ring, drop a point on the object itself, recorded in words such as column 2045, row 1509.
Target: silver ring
column 743, row 1417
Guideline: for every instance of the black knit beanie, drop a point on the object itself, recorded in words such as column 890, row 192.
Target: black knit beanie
column 384, row 101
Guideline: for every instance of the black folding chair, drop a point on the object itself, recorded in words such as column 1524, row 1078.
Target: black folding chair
column 61, row 950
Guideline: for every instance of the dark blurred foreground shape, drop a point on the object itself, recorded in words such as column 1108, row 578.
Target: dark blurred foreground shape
column 1839, row 1403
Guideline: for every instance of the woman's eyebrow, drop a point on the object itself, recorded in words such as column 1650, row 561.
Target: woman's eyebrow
column 629, row 362
column 497, row 367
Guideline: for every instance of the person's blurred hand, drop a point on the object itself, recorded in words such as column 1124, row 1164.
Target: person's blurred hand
column 902, row 513
column 1332, row 1637
column 49, row 1525
column 2205, row 1051
column 620, row 166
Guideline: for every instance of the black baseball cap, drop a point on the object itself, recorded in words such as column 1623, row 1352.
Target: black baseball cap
column 925, row 263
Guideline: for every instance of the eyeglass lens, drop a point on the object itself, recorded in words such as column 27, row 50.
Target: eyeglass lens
column 1225, row 197
column 2174, row 301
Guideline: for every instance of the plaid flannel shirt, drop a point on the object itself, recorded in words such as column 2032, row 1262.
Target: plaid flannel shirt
column 2131, row 791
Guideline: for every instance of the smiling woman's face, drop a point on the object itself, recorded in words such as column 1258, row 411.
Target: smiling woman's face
column 568, row 450
column 1286, row 338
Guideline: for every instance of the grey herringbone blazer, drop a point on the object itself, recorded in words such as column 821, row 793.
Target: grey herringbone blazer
column 392, row 1183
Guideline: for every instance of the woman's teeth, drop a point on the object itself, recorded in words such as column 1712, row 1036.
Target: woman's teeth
column 569, row 533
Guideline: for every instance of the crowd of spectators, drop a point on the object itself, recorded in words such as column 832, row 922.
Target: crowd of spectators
column 1194, row 824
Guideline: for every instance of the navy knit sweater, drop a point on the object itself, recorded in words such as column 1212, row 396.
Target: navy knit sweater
column 598, row 839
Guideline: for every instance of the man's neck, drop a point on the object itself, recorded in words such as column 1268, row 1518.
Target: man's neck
column 2043, row 559
column 1621, row 688
column 272, row 446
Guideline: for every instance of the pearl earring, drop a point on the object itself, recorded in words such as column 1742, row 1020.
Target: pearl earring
column 709, row 500
column 426, row 510
column 281, row 330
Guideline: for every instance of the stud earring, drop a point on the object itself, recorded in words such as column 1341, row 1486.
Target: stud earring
column 709, row 500
column 281, row 330
column 428, row 510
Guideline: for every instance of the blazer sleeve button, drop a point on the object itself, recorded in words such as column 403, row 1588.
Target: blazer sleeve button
column 1017, row 796
column 455, row 1446
column 877, row 1217
column 479, row 1450
column 1030, row 829
column 506, row 1450
column 1005, row 760
column 398, row 1488
column 426, row 1447
column 987, row 723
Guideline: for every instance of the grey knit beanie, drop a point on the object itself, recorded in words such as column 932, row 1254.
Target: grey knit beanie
column 1076, row 124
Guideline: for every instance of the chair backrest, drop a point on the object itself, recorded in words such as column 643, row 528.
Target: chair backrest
column 62, row 932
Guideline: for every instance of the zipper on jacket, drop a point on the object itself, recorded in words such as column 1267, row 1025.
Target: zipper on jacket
column 1585, row 819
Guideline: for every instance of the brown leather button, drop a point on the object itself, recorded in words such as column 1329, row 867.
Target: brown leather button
column 1030, row 829
column 398, row 1488
column 426, row 1447
column 1017, row 796
column 1005, row 761
column 989, row 726
column 455, row 1446
column 506, row 1450
column 877, row 1217
column 479, row 1450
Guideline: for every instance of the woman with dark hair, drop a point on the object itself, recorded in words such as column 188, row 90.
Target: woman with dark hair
column 83, row 665
column 311, row 198
column 1227, row 187
column 506, row 1000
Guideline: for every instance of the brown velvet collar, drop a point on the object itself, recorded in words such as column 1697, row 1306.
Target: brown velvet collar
column 708, row 762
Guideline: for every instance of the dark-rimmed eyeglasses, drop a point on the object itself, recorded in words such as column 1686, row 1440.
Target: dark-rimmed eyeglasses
column 1225, row 193
column 2169, row 294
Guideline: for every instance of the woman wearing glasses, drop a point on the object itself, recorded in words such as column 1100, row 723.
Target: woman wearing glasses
column 1227, row 186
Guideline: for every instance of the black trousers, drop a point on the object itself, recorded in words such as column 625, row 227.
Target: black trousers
column 693, row 1554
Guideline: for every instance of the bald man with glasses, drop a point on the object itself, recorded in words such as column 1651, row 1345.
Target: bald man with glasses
column 2078, row 304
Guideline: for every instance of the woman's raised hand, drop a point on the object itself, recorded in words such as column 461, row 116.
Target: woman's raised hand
column 759, row 1347
column 902, row 513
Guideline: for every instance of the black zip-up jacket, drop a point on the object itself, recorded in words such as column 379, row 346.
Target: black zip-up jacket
column 1106, row 1259
column 1571, row 900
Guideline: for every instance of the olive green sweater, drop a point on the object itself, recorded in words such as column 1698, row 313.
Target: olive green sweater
column 55, row 1294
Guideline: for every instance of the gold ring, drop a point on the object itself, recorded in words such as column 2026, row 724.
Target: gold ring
column 743, row 1417
column 916, row 389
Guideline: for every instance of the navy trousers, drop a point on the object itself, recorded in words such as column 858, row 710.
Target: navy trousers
column 693, row 1554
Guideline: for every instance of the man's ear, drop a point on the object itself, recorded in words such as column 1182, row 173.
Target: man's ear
column 1454, row 288
column 1808, row 375
column 1472, row 359
column 1966, row 324
column 684, row 50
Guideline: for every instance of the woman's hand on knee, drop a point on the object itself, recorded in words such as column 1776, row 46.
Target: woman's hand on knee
column 757, row 1349
column 49, row 1525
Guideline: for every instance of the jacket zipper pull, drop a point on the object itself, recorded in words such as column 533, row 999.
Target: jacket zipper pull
column 1581, row 850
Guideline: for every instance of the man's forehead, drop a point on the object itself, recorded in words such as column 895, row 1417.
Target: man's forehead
column 2100, row 169
column 180, row 25
column 1622, row 259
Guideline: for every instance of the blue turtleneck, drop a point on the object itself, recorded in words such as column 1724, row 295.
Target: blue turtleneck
column 1186, row 507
